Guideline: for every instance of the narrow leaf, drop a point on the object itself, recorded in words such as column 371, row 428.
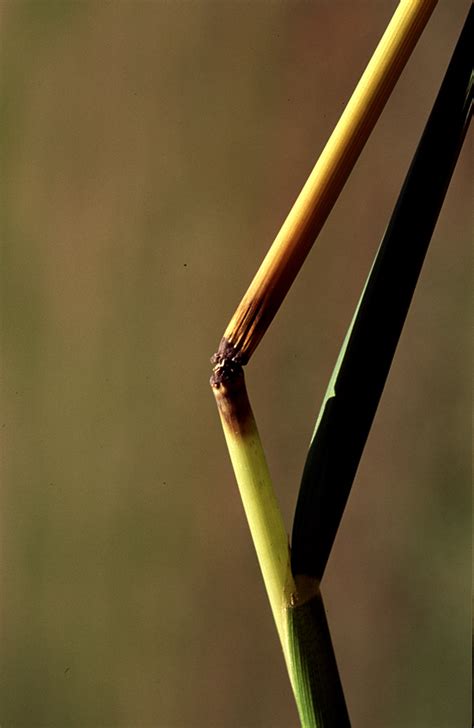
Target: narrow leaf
column 364, row 362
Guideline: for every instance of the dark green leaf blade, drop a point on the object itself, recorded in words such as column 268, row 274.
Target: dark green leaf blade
column 364, row 362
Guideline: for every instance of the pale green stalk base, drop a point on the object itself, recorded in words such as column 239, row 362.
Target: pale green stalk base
column 297, row 607
column 264, row 518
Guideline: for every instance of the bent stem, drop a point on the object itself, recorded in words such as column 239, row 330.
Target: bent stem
column 296, row 600
column 297, row 607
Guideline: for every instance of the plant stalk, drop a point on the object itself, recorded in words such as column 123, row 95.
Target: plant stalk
column 297, row 606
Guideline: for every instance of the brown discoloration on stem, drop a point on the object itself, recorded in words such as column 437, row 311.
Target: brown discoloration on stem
column 227, row 352
column 228, row 385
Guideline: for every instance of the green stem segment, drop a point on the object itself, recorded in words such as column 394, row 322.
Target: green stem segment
column 320, row 698
column 297, row 606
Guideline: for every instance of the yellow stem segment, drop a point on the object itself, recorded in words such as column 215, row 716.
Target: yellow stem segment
column 310, row 211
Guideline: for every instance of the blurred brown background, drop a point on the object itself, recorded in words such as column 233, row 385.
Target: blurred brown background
column 150, row 151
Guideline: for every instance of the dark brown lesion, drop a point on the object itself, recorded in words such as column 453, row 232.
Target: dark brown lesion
column 228, row 384
column 228, row 352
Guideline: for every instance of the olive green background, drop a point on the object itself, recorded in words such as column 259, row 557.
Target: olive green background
column 149, row 153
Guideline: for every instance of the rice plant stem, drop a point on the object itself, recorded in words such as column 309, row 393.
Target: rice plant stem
column 296, row 601
column 311, row 209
